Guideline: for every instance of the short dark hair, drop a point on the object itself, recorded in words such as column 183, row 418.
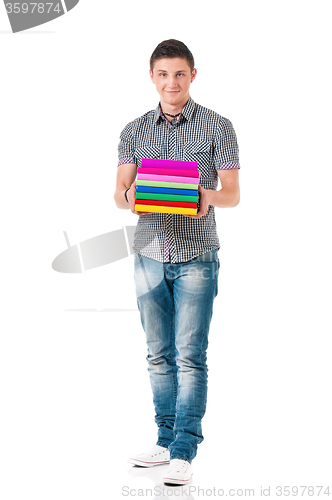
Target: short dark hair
column 172, row 48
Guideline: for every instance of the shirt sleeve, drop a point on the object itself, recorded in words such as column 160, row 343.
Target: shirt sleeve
column 226, row 151
column 126, row 146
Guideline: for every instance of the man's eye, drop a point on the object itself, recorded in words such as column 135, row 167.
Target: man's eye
column 180, row 74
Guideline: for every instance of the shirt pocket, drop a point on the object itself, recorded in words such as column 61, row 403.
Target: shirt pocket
column 146, row 151
column 199, row 151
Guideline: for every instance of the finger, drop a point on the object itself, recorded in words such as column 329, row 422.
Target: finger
column 197, row 216
column 141, row 213
column 200, row 214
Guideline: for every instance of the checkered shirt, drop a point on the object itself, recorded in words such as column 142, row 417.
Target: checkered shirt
column 200, row 135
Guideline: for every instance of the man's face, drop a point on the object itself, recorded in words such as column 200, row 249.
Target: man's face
column 172, row 78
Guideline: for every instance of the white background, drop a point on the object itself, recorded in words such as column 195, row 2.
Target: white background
column 75, row 395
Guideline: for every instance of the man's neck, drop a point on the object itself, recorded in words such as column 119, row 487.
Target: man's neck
column 172, row 110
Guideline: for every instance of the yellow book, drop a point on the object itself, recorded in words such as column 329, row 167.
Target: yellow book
column 166, row 210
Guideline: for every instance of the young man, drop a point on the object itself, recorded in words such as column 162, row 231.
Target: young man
column 176, row 259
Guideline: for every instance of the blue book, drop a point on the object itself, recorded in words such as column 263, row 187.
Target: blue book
column 150, row 189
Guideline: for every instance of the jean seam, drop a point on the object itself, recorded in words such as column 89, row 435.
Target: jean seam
column 141, row 261
column 173, row 365
column 216, row 276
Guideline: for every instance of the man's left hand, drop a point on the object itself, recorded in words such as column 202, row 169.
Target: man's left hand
column 203, row 203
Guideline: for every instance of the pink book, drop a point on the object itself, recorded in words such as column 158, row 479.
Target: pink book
column 167, row 178
column 167, row 171
column 156, row 163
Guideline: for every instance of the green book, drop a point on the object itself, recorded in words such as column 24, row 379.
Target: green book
column 166, row 197
column 175, row 185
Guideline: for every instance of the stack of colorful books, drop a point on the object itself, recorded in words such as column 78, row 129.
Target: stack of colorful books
column 167, row 186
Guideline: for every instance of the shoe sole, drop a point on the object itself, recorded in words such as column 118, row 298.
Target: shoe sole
column 179, row 482
column 133, row 461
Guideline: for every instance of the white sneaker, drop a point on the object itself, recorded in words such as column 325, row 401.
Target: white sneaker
column 180, row 472
column 158, row 455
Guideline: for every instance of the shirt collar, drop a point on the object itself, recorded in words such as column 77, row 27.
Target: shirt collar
column 186, row 113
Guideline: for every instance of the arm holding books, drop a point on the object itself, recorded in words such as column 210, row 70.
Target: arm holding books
column 125, row 179
column 228, row 196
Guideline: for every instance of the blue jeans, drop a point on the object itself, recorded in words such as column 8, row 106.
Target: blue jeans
column 175, row 303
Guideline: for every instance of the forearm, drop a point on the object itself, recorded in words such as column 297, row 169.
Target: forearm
column 119, row 197
column 228, row 196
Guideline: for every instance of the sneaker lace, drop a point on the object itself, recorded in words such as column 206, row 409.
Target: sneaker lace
column 179, row 465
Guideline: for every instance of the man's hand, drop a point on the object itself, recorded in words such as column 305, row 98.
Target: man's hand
column 131, row 195
column 204, row 202
column 126, row 178
column 228, row 196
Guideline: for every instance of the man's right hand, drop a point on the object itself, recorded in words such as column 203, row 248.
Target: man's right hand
column 125, row 177
column 131, row 195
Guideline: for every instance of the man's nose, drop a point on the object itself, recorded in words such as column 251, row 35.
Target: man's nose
column 172, row 81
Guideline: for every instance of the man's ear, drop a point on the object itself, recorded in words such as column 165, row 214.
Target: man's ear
column 193, row 74
column 151, row 76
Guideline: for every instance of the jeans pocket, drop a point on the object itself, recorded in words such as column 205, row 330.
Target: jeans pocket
column 211, row 256
column 137, row 258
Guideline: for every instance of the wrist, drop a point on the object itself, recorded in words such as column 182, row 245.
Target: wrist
column 125, row 194
column 206, row 195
